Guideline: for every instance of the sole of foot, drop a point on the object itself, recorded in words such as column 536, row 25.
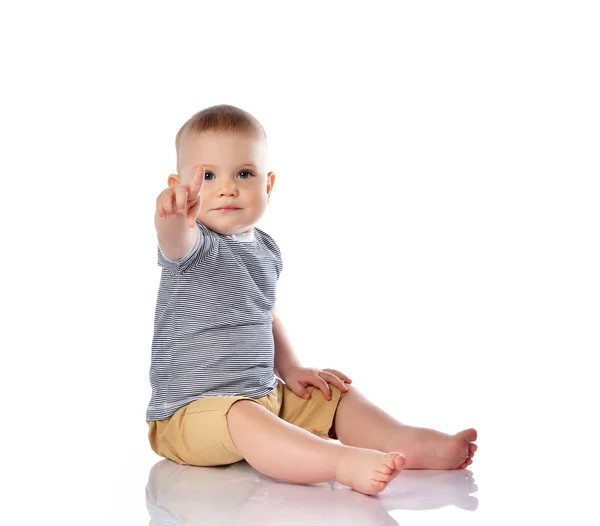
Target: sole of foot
column 369, row 471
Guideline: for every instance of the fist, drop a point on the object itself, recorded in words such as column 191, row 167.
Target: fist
column 182, row 199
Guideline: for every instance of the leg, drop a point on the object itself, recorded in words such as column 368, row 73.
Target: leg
column 360, row 423
column 286, row 452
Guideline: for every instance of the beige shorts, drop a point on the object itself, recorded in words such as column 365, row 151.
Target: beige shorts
column 197, row 434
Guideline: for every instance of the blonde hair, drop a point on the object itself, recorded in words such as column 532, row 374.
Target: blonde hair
column 222, row 118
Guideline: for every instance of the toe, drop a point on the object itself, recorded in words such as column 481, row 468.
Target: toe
column 376, row 487
column 394, row 461
column 399, row 462
column 382, row 477
column 469, row 435
column 386, row 470
column 466, row 463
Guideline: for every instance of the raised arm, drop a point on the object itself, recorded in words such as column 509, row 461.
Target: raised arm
column 175, row 218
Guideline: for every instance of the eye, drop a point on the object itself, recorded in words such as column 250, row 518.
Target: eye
column 250, row 174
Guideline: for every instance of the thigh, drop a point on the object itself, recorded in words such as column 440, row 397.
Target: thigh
column 315, row 415
column 198, row 435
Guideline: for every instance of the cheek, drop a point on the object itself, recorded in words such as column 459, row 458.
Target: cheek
column 259, row 196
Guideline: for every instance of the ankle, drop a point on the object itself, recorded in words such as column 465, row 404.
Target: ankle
column 345, row 465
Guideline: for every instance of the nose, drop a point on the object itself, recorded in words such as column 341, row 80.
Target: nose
column 228, row 188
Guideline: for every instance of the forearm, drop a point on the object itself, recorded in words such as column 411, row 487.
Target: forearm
column 175, row 237
column 285, row 357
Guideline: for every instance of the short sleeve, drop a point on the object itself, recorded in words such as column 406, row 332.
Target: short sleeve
column 200, row 249
column 273, row 247
column 278, row 261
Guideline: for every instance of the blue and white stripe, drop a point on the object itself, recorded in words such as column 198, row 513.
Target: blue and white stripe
column 213, row 333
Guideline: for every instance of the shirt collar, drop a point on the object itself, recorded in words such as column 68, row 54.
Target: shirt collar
column 244, row 236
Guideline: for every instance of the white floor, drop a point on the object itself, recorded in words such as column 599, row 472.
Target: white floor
column 239, row 495
column 70, row 458
column 512, row 481
column 102, row 471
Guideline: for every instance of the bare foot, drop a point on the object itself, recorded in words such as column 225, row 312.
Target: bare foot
column 368, row 471
column 430, row 449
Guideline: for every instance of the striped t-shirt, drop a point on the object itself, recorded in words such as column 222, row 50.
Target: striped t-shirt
column 213, row 330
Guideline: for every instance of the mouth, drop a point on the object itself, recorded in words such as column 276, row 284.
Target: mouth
column 227, row 209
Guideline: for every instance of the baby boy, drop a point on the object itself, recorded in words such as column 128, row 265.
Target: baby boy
column 226, row 383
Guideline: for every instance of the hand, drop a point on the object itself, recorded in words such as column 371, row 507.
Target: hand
column 182, row 199
column 298, row 378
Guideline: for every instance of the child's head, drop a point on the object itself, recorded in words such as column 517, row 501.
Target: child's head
column 232, row 146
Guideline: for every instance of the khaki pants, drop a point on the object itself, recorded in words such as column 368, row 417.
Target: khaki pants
column 197, row 434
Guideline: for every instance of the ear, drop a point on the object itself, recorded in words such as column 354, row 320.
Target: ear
column 173, row 180
column 270, row 183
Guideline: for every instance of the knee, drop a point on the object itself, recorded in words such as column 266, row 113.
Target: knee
column 351, row 392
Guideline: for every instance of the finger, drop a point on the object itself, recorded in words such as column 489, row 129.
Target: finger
column 335, row 380
column 167, row 202
column 339, row 375
column 159, row 208
column 300, row 390
column 197, row 183
column 192, row 213
column 324, row 387
column 181, row 199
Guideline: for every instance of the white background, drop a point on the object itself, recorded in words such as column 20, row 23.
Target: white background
column 436, row 204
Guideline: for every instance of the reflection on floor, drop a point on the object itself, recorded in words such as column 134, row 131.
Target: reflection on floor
column 238, row 494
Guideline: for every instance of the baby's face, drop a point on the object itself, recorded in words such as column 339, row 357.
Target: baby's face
column 235, row 175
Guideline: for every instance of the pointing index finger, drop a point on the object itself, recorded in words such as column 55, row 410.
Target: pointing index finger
column 197, row 183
